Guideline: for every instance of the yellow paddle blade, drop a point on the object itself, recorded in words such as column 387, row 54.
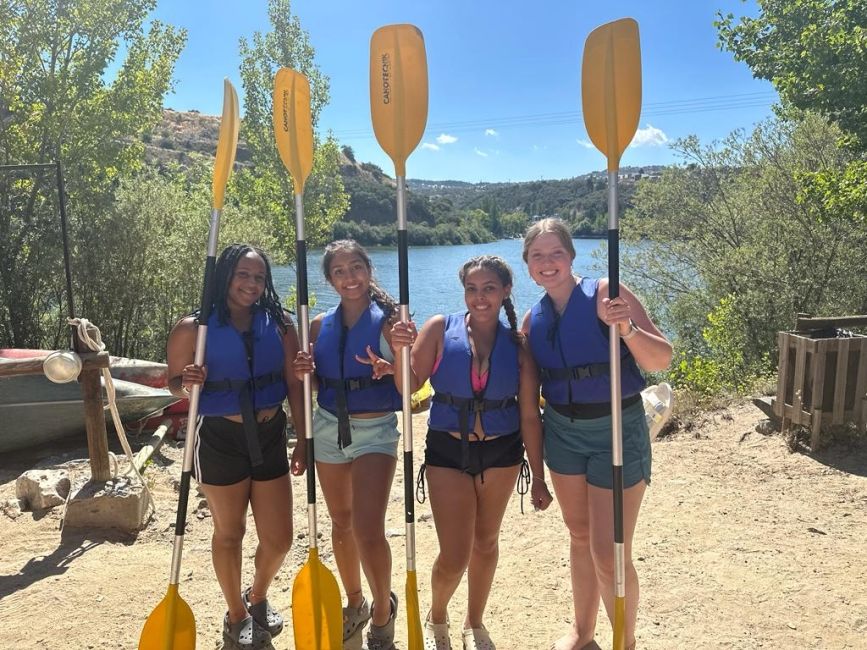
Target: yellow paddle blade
column 170, row 626
column 398, row 90
column 317, row 611
column 611, row 87
column 227, row 144
column 293, row 129
column 413, row 613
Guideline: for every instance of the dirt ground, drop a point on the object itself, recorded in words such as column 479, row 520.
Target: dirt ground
column 740, row 544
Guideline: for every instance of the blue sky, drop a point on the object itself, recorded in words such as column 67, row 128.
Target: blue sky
column 504, row 78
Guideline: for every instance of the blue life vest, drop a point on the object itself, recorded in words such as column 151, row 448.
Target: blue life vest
column 571, row 351
column 454, row 405
column 232, row 385
column 346, row 385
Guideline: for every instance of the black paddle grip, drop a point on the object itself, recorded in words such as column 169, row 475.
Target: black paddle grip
column 408, row 496
column 403, row 265
column 613, row 263
column 184, row 496
column 617, row 475
column 311, row 473
column 207, row 290
column 301, row 271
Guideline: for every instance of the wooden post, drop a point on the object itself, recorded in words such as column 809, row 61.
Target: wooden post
column 94, row 417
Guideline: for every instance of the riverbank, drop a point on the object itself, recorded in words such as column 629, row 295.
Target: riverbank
column 741, row 544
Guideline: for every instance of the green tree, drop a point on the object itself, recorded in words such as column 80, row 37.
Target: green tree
column 813, row 51
column 726, row 254
column 265, row 186
column 514, row 223
column 815, row 54
column 56, row 103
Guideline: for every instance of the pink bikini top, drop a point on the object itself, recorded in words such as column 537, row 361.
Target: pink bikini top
column 478, row 381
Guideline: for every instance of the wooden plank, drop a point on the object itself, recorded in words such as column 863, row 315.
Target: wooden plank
column 798, row 386
column 145, row 453
column 816, row 431
column 806, row 323
column 33, row 365
column 820, row 356
column 782, row 371
column 860, row 405
column 840, row 379
column 818, row 388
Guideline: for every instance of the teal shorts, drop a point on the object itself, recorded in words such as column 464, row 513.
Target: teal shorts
column 369, row 436
column 583, row 446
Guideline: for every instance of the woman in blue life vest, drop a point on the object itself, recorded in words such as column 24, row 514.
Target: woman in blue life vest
column 241, row 450
column 484, row 412
column 355, row 435
column 567, row 332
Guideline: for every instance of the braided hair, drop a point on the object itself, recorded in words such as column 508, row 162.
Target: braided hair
column 377, row 294
column 503, row 271
column 269, row 301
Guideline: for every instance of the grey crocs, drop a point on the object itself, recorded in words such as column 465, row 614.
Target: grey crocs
column 246, row 634
column 354, row 619
column 382, row 637
column 265, row 615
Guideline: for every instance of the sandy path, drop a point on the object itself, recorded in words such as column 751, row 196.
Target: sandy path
column 740, row 545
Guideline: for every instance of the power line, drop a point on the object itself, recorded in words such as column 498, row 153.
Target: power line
column 651, row 109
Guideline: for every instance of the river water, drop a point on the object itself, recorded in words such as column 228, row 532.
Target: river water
column 434, row 287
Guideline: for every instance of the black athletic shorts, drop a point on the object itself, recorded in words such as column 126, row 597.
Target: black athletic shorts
column 222, row 456
column 442, row 450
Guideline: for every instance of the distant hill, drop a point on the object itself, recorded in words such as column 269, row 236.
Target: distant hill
column 581, row 200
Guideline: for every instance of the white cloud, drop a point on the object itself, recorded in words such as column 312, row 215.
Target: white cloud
column 445, row 138
column 430, row 145
column 585, row 143
column 491, row 132
column 649, row 136
column 480, row 152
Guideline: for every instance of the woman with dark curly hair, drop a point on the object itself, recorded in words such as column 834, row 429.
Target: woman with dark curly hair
column 241, row 450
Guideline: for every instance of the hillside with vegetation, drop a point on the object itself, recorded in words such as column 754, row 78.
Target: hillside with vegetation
column 439, row 212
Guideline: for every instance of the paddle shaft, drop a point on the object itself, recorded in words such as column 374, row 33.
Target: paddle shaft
column 406, row 387
column 304, row 331
column 616, row 404
column 195, row 392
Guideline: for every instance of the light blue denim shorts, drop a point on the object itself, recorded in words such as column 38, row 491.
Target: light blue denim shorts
column 583, row 446
column 369, row 436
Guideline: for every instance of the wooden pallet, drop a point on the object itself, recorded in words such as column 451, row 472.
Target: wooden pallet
column 821, row 383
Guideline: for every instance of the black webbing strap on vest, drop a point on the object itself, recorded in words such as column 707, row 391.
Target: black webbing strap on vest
column 341, row 389
column 577, row 373
column 465, row 406
column 245, row 389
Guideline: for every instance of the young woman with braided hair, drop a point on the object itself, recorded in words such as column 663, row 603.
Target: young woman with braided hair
column 241, row 452
column 485, row 412
column 355, row 435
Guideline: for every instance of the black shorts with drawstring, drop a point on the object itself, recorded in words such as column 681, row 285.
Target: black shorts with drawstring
column 222, row 456
column 443, row 450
